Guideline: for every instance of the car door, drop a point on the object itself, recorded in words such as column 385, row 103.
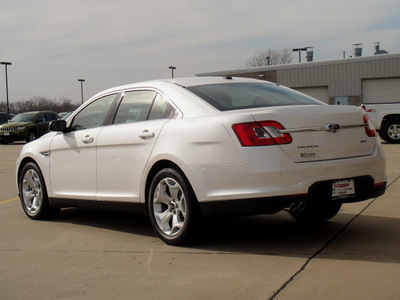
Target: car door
column 124, row 147
column 41, row 125
column 73, row 154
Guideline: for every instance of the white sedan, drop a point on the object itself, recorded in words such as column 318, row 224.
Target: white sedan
column 183, row 149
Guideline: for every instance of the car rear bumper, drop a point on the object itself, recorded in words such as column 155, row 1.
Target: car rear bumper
column 319, row 191
column 269, row 178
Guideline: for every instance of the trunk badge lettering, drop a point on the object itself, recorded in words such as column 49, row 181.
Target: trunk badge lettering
column 332, row 127
column 307, row 155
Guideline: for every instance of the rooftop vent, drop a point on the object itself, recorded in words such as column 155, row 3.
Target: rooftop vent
column 310, row 54
column 377, row 50
column 357, row 49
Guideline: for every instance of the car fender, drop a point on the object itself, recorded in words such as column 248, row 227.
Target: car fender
column 38, row 152
column 195, row 143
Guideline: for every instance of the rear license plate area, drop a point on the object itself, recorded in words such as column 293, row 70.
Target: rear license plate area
column 342, row 189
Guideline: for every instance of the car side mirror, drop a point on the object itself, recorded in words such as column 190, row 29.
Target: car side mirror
column 58, row 125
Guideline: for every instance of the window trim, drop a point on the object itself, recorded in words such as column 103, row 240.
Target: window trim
column 117, row 97
column 177, row 112
column 119, row 94
column 123, row 93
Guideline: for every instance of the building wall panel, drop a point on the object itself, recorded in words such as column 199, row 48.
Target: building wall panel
column 343, row 77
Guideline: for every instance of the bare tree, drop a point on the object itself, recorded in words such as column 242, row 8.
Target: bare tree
column 40, row 103
column 270, row 57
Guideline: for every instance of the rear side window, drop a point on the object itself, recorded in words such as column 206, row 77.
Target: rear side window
column 232, row 96
column 161, row 109
column 51, row 117
column 135, row 107
column 40, row 118
column 139, row 106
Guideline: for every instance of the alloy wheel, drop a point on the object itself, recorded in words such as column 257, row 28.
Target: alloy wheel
column 394, row 131
column 169, row 206
column 32, row 193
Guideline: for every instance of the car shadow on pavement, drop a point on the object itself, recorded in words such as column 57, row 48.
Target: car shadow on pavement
column 367, row 238
column 110, row 220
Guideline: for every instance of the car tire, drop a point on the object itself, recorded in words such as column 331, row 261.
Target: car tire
column 33, row 194
column 390, row 132
column 314, row 213
column 173, row 207
column 31, row 136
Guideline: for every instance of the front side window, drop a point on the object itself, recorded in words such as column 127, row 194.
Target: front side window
column 231, row 96
column 93, row 115
column 135, row 107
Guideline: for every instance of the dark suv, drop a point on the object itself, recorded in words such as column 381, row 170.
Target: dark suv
column 26, row 126
column 4, row 117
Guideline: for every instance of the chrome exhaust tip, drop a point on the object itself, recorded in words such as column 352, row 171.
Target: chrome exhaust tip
column 293, row 207
column 296, row 207
column 301, row 206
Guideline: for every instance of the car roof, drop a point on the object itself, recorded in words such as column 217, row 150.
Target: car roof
column 188, row 104
column 193, row 81
column 184, row 82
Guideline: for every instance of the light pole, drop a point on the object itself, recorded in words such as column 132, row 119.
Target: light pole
column 82, row 81
column 5, row 63
column 172, row 70
column 299, row 49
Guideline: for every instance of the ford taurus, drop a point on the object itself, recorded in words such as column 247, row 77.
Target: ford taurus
column 183, row 149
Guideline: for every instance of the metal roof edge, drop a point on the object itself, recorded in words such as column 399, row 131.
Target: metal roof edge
column 300, row 65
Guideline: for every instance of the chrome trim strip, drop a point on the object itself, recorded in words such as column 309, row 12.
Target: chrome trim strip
column 322, row 128
column 45, row 153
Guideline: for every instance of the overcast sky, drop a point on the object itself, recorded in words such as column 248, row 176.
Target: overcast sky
column 52, row 43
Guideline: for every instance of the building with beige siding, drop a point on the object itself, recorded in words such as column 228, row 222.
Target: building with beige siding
column 370, row 79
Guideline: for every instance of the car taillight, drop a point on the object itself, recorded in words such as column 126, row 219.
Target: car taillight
column 369, row 128
column 262, row 133
column 370, row 110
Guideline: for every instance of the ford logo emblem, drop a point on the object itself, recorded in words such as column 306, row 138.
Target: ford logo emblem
column 332, row 127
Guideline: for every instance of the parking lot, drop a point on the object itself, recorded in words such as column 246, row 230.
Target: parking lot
column 102, row 255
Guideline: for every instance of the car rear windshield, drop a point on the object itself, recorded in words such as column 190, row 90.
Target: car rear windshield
column 232, row 96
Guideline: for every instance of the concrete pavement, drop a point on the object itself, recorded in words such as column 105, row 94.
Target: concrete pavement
column 101, row 255
column 363, row 261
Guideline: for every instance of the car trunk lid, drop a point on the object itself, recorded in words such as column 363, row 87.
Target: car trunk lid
column 321, row 132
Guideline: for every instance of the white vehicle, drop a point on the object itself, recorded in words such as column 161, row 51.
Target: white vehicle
column 386, row 119
column 181, row 149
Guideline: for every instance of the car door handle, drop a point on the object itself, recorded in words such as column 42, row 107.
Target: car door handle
column 88, row 139
column 146, row 135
